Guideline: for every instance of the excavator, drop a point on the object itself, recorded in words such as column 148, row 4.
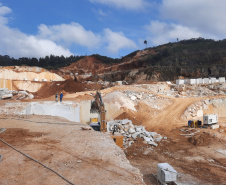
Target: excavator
column 97, row 106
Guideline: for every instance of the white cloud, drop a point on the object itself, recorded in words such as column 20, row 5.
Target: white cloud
column 70, row 33
column 56, row 39
column 102, row 13
column 206, row 16
column 4, row 11
column 188, row 19
column 116, row 41
column 162, row 32
column 17, row 44
column 126, row 4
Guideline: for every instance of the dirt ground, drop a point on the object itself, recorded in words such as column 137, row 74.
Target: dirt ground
column 196, row 158
column 88, row 157
column 80, row 156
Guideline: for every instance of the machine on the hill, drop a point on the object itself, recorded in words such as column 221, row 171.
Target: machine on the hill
column 195, row 123
column 97, row 106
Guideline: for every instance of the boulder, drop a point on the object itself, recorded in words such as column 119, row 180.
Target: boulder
column 133, row 98
column 134, row 136
column 30, row 96
column 7, row 96
column 152, row 143
column 131, row 130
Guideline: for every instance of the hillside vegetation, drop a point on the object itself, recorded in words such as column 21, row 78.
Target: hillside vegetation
column 188, row 58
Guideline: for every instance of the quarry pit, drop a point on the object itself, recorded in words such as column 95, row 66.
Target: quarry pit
column 57, row 134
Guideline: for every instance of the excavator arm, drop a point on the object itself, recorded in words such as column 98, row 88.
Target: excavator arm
column 97, row 106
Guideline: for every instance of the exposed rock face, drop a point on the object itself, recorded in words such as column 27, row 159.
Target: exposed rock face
column 12, row 94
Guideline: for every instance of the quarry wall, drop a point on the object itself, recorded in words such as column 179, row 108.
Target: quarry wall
column 204, row 107
column 6, row 83
column 30, row 76
column 28, row 85
column 69, row 110
column 25, row 78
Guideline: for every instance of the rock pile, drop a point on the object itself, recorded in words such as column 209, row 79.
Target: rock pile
column 131, row 133
column 12, row 94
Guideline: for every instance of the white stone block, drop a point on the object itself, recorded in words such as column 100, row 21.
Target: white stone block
column 166, row 173
column 35, row 79
column 222, row 79
column 7, row 96
column 186, row 81
column 192, row 81
column 133, row 98
column 199, row 81
column 119, row 83
column 180, row 81
column 44, row 80
column 152, row 143
column 215, row 126
column 131, row 131
column 213, row 80
column 206, row 80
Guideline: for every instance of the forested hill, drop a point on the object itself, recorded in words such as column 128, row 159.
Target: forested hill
column 186, row 53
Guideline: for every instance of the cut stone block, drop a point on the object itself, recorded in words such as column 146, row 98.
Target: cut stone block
column 166, row 173
column 215, row 126
column 7, row 96
column 152, row 143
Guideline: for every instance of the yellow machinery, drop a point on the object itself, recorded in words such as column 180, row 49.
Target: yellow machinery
column 97, row 106
column 195, row 123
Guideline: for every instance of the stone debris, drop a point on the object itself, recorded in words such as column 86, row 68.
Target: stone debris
column 132, row 132
column 12, row 94
column 86, row 128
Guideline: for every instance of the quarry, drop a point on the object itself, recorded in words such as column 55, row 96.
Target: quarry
column 44, row 141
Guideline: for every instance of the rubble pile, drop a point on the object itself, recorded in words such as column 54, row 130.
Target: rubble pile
column 197, row 109
column 12, row 94
column 153, row 101
column 131, row 133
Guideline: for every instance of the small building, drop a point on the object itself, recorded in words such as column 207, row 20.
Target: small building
column 210, row 119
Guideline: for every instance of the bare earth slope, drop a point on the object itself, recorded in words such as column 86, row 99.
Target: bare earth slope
column 81, row 156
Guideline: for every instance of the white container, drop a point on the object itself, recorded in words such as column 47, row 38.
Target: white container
column 210, row 119
column 166, row 173
column 35, row 79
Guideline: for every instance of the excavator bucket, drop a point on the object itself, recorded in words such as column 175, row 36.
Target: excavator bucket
column 94, row 107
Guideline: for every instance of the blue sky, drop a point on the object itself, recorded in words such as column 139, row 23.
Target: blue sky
column 114, row 28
